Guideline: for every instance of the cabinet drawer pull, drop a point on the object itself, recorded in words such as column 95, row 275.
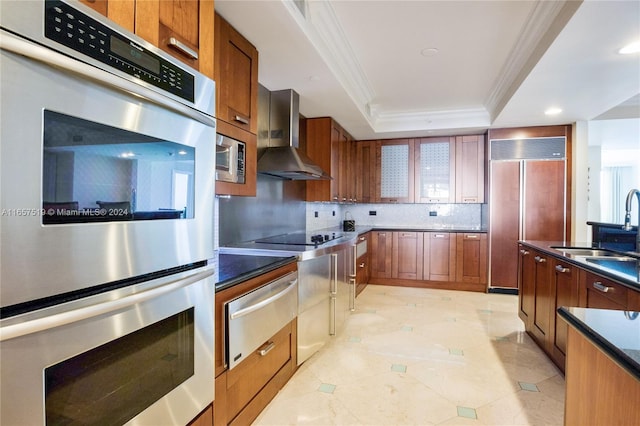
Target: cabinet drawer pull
column 471, row 237
column 539, row 259
column 523, row 252
column 562, row 269
column 243, row 121
column 601, row 287
column 178, row 45
column 361, row 265
column 362, row 238
column 266, row 348
column 469, row 200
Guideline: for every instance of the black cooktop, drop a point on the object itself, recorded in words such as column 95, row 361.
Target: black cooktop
column 301, row 238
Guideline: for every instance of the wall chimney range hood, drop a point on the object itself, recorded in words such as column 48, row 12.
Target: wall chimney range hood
column 282, row 158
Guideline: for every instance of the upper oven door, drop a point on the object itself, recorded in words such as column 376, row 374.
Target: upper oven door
column 102, row 179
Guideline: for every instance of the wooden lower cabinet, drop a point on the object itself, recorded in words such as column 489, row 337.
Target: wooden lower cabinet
column 456, row 261
column 243, row 392
column 598, row 390
column 362, row 261
column 526, row 286
column 439, row 256
column 540, row 326
column 406, row 252
column 565, row 293
column 602, row 293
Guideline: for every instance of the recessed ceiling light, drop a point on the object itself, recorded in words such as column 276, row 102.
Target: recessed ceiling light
column 553, row 111
column 429, row 51
column 630, row 48
column 314, row 78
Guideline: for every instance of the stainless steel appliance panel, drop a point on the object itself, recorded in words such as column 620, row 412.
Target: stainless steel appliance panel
column 256, row 316
column 314, row 305
column 32, row 342
column 40, row 261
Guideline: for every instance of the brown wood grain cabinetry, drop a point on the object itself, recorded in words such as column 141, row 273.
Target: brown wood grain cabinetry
column 565, row 293
column 406, row 252
column 439, row 256
column 365, row 169
column 248, row 188
column 435, row 162
column 526, row 286
column 381, row 254
column 243, row 392
column 236, row 76
column 470, row 177
column 599, row 292
column 182, row 28
column 331, row 148
column 471, row 258
column 598, row 390
column 540, row 326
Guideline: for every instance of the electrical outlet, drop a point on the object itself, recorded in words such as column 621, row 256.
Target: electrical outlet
column 433, row 213
column 372, row 213
column 315, row 214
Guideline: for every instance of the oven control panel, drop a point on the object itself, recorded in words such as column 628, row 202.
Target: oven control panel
column 75, row 30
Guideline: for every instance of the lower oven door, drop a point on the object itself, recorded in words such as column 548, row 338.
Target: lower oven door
column 142, row 355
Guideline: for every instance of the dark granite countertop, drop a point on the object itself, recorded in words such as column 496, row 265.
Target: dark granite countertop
column 616, row 333
column 360, row 229
column 626, row 273
column 235, row 268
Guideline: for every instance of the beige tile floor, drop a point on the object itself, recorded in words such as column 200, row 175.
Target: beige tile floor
column 411, row 356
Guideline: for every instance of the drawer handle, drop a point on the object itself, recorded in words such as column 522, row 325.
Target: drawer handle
column 523, row 252
column 562, row 269
column 601, row 287
column 362, row 238
column 469, row 200
column 266, row 348
column 539, row 259
column 361, row 265
column 438, row 236
column 471, row 237
column 178, row 45
column 240, row 119
column 246, row 311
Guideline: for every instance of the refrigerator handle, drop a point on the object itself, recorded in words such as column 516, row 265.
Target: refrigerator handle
column 333, row 294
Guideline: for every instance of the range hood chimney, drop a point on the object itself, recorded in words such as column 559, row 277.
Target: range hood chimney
column 282, row 158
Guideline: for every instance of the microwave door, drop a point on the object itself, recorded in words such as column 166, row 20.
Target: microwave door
column 225, row 162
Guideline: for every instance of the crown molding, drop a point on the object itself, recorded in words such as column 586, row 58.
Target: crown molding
column 431, row 120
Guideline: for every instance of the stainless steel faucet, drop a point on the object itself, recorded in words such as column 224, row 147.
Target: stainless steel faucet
column 627, row 216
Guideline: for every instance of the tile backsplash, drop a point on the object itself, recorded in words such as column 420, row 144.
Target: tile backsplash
column 465, row 216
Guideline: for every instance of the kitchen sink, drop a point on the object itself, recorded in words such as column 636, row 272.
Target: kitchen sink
column 586, row 251
column 626, row 265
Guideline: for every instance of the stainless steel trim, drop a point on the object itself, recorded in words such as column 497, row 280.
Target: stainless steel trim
column 266, row 348
column 352, row 301
column 332, row 316
column 240, row 119
column 33, row 51
column 355, row 261
column 75, row 315
column 265, row 302
column 183, row 48
column 334, row 274
column 601, row 287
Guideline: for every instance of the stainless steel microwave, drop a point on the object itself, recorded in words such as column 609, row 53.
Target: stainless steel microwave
column 230, row 158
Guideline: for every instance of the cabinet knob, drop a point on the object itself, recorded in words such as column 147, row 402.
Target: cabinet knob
column 361, row 265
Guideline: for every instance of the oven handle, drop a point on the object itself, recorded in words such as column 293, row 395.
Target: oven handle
column 75, row 315
column 251, row 308
column 50, row 57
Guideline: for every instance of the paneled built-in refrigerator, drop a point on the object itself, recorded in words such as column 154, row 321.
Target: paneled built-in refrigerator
column 527, row 200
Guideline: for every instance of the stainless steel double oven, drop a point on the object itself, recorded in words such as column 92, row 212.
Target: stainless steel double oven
column 107, row 182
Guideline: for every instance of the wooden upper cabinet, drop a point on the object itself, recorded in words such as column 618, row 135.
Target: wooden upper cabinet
column 394, row 171
column 331, row 148
column 435, row 161
column 365, row 169
column 236, row 76
column 182, row 28
column 122, row 12
column 469, row 169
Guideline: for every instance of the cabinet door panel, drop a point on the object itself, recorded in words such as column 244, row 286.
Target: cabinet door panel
column 526, row 286
column 470, row 169
column 439, row 256
column 407, row 255
column 381, row 254
column 543, row 300
column 471, row 258
column 365, row 171
column 435, row 170
column 395, row 171
column 566, row 294
column 544, row 209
